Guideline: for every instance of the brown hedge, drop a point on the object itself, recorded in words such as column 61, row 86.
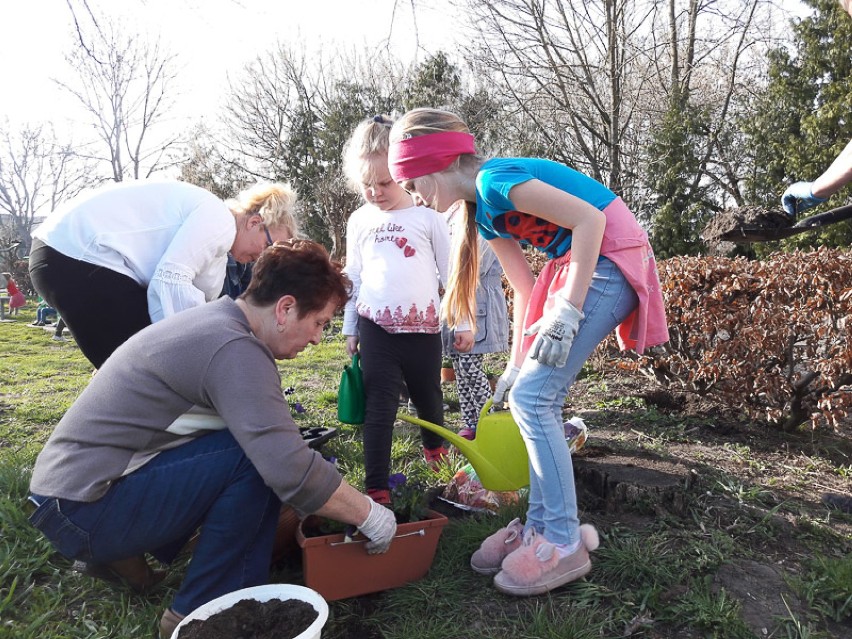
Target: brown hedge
column 768, row 337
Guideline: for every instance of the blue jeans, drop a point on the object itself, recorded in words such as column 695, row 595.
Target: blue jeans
column 536, row 401
column 207, row 483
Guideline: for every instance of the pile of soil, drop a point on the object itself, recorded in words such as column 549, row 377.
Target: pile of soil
column 744, row 218
column 273, row 619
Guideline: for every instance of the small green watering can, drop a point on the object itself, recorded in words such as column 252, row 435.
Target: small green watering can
column 498, row 454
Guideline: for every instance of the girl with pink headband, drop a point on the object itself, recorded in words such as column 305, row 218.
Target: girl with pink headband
column 601, row 276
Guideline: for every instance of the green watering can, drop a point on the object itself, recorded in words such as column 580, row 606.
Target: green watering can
column 498, row 454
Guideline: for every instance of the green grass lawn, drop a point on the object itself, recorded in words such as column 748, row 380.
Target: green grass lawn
column 651, row 578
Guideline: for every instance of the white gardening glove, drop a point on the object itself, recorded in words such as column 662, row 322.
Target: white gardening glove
column 501, row 389
column 379, row 528
column 556, row 330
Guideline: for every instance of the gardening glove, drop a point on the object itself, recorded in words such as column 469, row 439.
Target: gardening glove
column 556, row 330
column 800, row 197
column 504, row 383
column 379, row 528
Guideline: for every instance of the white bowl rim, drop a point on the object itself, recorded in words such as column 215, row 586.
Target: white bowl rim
column 264, row 593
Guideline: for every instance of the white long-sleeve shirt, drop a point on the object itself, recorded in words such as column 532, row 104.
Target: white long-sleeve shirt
column 395, row 260
column 169, row 236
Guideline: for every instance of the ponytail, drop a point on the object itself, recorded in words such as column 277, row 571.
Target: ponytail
column 460, row 298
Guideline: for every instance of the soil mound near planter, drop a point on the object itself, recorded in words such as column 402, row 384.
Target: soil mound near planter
column 747, row 217
column 251, row 619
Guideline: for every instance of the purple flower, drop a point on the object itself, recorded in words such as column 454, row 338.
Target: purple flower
column 396, row 480
column 298, row 408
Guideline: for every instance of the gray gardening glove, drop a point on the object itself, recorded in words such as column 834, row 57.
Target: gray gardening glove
column 501, row 389
column 379, row 528
column 556, row 330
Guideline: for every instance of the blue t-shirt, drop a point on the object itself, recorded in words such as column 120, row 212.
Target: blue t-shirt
column 496, row 216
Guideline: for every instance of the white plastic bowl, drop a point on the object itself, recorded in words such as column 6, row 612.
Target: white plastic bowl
column 265, row 593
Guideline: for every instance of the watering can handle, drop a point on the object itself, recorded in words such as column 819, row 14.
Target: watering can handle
column 489, row 408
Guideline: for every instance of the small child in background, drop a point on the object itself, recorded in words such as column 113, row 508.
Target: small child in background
column 44, row 313
column 16, row 298
column 466, row 350
column 395, row 252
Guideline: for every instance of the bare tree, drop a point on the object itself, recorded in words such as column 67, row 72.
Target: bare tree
column 36, row 174
column 288, row 119
column 569, row 68
column 597, row 77
column 124, row 84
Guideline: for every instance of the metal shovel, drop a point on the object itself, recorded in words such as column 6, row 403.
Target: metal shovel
column 745, row 234
column 498, row 454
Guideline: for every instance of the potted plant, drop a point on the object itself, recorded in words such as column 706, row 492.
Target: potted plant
column 448, row 374
column 336, row 564
column 280, row 610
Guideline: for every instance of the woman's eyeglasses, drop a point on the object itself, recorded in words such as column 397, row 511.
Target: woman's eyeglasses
column 269, row 241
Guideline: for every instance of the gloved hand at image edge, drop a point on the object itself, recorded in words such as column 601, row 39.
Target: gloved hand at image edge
column 504, row 383
column 555, row 332
column 379, row 528
column 800, row 197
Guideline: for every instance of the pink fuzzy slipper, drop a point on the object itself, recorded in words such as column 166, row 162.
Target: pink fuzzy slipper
column 487, row 560
column 536, row 567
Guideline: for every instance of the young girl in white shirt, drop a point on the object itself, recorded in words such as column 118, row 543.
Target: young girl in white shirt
column 395, row 253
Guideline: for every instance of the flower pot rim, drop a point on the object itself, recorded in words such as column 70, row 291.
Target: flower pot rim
column 433, row 518
column 264, row 593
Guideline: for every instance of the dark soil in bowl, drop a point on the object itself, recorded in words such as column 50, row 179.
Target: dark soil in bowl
column 251, row 619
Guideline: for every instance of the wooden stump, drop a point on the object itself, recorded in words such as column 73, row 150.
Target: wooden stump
column 615, row 482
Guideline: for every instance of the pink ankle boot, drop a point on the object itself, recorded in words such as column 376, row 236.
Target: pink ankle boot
column 487, row 560
column 538, row 567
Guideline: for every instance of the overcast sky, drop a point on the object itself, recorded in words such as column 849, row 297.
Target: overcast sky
column 212, row 38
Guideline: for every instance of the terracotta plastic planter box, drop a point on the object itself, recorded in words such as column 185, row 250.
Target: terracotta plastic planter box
column 337, row 569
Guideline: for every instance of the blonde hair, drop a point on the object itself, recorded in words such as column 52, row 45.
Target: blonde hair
column 459, row 303
column 369, row 141
column 274, row 202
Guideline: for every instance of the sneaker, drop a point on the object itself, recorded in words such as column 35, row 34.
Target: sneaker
column 538, row 566
column 58, row 338
column 492, row 552
column 168, row 623
column 468, row 433
column 435, row 457
column 380, row 496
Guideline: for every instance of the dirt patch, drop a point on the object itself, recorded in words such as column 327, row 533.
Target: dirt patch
column 762, row 592
column 653, row 452
column 722, row 225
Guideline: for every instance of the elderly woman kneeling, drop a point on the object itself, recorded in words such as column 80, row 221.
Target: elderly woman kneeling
column 121, row 476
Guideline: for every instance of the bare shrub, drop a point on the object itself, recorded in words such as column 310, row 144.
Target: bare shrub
column 770, row 337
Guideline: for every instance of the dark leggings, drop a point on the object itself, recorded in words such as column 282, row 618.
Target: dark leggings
column 386, row 360
column 102, row 308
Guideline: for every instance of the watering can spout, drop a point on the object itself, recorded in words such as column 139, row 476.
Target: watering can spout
column 498, row 454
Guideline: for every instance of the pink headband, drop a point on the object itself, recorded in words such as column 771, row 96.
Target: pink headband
column 424, row 154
